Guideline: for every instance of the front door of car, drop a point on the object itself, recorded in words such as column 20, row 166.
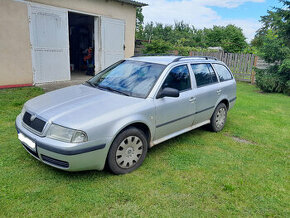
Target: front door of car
column 207, row 91
column 175, row 113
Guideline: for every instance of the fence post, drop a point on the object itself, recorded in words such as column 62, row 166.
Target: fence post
column 175, row 52
column 253, row 72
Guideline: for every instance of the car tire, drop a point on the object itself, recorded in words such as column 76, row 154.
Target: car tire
column 219, row 118
column 127, row 151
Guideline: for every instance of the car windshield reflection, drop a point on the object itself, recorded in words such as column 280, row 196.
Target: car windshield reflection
column 131, row 78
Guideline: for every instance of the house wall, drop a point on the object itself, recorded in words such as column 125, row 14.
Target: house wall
column 15, row 54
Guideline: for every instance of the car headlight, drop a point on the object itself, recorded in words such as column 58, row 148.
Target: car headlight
column 66, row 134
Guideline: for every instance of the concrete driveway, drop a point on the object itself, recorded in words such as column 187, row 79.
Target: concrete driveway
column 76, row 79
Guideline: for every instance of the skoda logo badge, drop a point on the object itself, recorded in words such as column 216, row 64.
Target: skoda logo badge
column 32, row 117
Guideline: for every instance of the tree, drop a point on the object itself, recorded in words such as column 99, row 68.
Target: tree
column 275, row 49
column 139, row 23
column 233, row 39
column 277, row 20
column 230, row 38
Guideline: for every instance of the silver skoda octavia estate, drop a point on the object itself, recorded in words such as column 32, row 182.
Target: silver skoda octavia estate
column 116, row 116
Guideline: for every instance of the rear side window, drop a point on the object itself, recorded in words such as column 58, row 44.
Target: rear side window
column 178, row 78
column 223, row 73
column 204, row 74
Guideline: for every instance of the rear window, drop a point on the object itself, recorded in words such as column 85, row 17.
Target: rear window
column 223, row 73
column 204, row 74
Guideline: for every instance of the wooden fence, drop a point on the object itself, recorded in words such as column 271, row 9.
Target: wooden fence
column 242, row 65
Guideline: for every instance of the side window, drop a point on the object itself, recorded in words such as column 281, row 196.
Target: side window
column 178, row 78
column 222, row 72
column 204, row 74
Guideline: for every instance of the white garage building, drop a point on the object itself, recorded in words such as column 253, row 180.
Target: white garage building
column 46, row 40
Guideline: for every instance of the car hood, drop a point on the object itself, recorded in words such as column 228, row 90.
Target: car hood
column 74, row 105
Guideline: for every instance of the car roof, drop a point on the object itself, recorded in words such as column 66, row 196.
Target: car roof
column 165, row 60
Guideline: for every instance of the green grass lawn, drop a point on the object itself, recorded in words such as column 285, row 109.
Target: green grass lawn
column 241, row 171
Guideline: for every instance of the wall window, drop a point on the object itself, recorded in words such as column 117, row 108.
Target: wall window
column 204, row 74
column 223, row 73
column 178, row 78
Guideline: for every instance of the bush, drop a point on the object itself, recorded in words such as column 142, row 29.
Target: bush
column 274, row 79
column 162, row 47
column 183, row 50
column 274, row 47
column 284, row 72
column 157, row 47
column 287, row 90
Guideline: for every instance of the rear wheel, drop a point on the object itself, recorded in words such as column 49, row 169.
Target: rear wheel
column 219, row 118
column 128, row 151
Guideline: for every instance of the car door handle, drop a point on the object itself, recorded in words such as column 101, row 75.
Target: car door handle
column 218, row 92
column 192, row 99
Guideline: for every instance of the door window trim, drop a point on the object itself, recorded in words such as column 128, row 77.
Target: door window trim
column 166, row 74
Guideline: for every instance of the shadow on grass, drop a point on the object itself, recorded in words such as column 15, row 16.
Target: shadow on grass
column 174, row 141
column 153, row 152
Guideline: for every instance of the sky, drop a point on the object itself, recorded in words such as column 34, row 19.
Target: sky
column 206, row 13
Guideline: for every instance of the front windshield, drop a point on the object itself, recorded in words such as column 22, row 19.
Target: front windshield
column 132, row 78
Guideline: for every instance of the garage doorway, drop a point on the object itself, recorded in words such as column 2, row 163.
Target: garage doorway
column 60, row 40
column 81, row 44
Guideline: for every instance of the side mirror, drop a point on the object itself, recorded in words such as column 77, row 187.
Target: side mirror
column 168, row 92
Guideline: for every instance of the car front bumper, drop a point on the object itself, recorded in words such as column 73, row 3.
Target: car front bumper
column 90, row 155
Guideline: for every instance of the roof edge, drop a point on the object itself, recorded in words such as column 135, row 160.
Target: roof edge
column 131, row 2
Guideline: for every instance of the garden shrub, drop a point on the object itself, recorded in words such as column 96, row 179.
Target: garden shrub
column 274, row 48
column 157, row 47
column 275, row 78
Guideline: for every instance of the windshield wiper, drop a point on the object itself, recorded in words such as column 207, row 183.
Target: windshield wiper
column 113, row 90
column 90, row 83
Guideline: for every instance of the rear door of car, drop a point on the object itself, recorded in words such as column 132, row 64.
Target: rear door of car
column 207, row 91
column 227, row 82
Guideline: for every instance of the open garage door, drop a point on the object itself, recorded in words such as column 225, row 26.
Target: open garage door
column 49, row 43
column 113, row 40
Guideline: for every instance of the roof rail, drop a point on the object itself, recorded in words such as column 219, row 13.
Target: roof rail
column 145, row 55
column 194, row 57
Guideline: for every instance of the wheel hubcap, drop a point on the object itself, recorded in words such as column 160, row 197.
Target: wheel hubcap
column 220, row 117
column 129, row 152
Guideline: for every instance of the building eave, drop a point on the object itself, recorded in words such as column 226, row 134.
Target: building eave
column 134, row 3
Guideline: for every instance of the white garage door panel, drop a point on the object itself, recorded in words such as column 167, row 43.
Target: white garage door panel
column 49, row 65
column 50, row 44
column 113, row 40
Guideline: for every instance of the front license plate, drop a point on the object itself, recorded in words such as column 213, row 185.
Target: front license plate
column 26, row 141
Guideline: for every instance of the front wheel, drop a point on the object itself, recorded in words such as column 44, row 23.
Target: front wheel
column 219, row 118
column 128, row 151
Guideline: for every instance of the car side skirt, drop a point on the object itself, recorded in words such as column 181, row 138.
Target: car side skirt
column 178, row 133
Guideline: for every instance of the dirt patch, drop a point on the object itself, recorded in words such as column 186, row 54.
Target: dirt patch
column 262, row 92
column 237, row 139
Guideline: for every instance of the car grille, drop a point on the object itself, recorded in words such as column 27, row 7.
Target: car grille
column 55, row 162
column 36, row 124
